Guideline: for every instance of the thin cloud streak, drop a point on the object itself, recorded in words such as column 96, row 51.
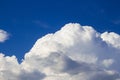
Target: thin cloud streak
column 41, row 24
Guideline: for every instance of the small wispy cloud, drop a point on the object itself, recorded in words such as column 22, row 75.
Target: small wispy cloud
column 3, row 35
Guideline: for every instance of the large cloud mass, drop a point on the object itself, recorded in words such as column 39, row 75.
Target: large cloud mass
column 73, row 53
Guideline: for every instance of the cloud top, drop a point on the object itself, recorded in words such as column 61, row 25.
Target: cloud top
column 74, row 52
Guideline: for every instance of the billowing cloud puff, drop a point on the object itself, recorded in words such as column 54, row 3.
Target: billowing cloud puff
column 3, row 35
column 73, row 53
column 112, row 39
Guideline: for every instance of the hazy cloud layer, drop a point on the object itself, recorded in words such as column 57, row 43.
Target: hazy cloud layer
column 73, row 53
column 3, row 35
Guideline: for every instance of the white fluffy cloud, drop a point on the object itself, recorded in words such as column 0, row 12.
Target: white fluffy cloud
column 3, row 35
column 73, row 53
column 112, row 39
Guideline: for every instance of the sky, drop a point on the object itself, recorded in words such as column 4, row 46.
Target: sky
column 24, row 22
column 28, row 20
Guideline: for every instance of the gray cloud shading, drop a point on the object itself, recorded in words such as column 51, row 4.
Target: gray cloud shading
column 34, row 75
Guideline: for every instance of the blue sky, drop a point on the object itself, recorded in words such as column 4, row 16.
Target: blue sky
column 28, row 20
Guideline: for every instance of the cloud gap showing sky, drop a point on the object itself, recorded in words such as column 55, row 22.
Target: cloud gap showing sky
column 74, row 52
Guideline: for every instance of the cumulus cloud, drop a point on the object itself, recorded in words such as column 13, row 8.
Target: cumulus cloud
column 74, row 52
column 112, row 39
column 3, row 35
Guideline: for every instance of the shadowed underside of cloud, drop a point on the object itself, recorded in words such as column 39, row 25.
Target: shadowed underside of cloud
column 73, row 53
